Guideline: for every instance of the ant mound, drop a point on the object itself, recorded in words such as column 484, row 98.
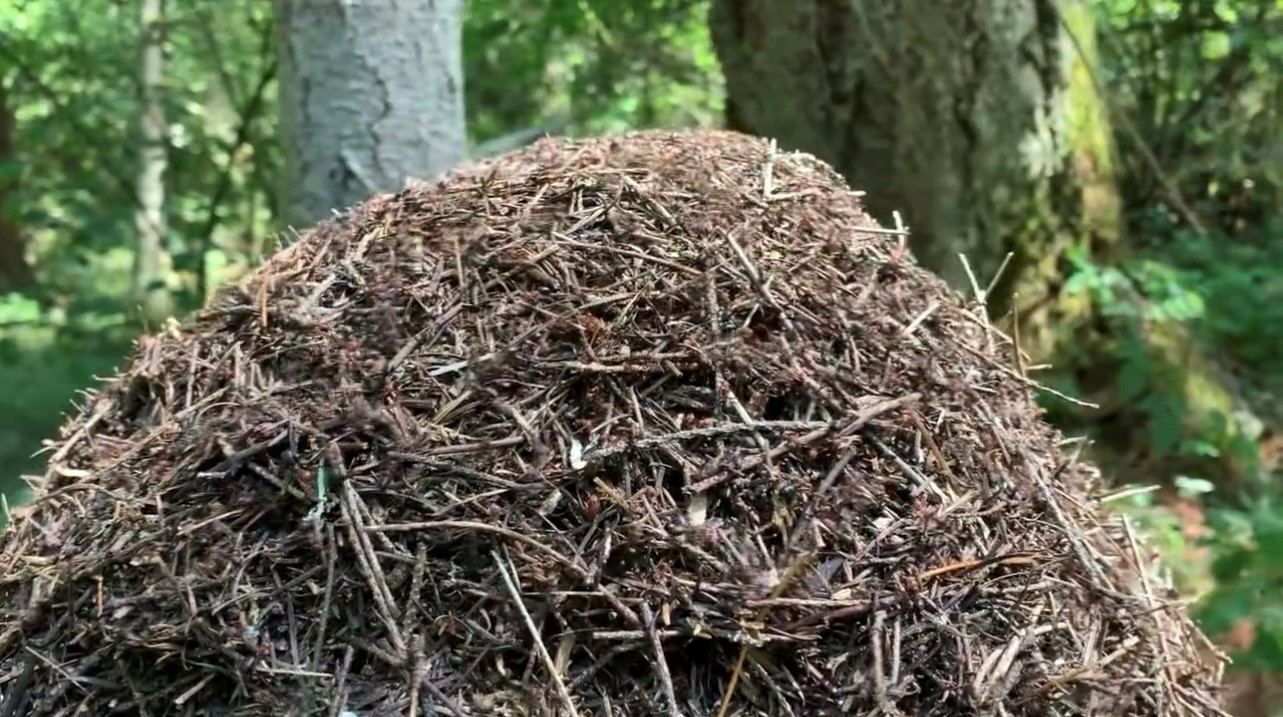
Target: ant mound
column 650, row 424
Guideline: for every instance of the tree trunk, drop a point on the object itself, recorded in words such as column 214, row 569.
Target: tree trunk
column 976, row 121
column 15, row 270
column 371, row 96
column 151, row 260
column 980, row 123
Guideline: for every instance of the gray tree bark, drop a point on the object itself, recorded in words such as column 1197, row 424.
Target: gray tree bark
column 152, row 262
column 977, row 121
column 371, row 96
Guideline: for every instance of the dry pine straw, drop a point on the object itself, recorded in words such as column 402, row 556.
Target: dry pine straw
column 654, row 424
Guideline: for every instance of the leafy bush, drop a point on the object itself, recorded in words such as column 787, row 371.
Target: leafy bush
column 1193, row 85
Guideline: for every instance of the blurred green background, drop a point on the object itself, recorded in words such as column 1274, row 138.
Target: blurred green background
column 1195, row 97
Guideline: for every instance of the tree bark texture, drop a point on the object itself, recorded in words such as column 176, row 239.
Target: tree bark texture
column 152, row 262
column 977, row 121
column 980, row 122
column 371, row 97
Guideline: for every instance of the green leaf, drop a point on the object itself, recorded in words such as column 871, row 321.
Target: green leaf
column 1133, row 379
column 1267, row 650
column 10, row 169
column 1165, row 426
column 1228, row 567
column 1268, row 535
column 1189, row 486
column 1226, row 605
column 1198, row 447
column 1078, row 282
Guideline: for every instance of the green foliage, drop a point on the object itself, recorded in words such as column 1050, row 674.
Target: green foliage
column 1240, row 276
column 1197, row 82
column 74, row 76
column 47, row 356
column 1194, row 90
column 70, row 74
column 1142, row 302
column 1249, row 581
column 1228, row 293
column 604, row 65
column 1233, row 568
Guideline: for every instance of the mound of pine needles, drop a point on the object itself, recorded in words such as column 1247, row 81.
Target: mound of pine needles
column 650, row 424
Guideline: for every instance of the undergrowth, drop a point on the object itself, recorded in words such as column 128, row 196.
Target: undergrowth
column 1222, row 543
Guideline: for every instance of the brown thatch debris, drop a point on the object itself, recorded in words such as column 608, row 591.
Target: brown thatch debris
column 660, row 424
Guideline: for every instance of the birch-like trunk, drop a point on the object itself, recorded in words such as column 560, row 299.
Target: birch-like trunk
column 151, row 257
column 371, row 96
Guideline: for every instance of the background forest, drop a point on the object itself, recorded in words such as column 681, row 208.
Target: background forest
column 1117, row 165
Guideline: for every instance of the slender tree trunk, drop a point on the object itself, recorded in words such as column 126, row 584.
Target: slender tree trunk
column 151, row 260
column 15, row 270
column 371, row 96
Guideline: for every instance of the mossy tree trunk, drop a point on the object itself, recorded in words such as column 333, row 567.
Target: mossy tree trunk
column 958, row 115
column 978, row 121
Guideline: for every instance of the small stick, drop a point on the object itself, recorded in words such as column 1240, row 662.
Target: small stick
column 768, row 177
column 932, row 445
column 913, row 325
column 578, row 569
column 340, row 683
column 510, row 584
column 790, row 575
column 879, row 675
column 329, row 547
column 368, row 563
column 78, row 436
column 664, row 675
column 724, row 429
column 1015, row 335
column 417, row 675
column 902, row 233
column 999, row 366
column 971, row 277
column 762, row 286
column 909, row 472
column 982, row 299
column 1149, row 596
column 998, row 274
